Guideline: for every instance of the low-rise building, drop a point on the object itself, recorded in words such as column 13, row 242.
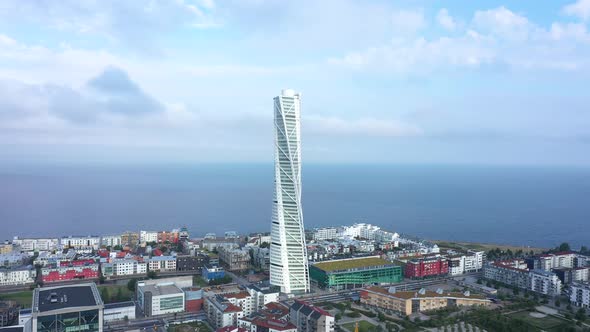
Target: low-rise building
column 191, row 263
column 110, row 240
column 123, row 267
column 54, row 307
column 545, row 282
column 221, row 312
column 426, row 267
column 354, row 272
column 119, row 311
column 234, row 259
column 13, row 259
column 82, row 244
column 580, row 294
column 159, row 298
column 36, row 244
column 309, row 318
column 407, row 303
column 162, row 263
column 212, row 272
column 8, row 313
column 168, row 237
column 17, row 276
column 261, row 257
column 65, row 273
column 148, row 236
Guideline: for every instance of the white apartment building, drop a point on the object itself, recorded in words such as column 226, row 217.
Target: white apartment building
column 17, row 276
column 288, row 254
column 110, row 240
column 456, row 265
column 221, row 313
column 262, row 296
column 160, row 298
column 36, row 244
column 123, row 267
column 80, row 243
column 325, row 233
column 580, row 294
column 554, row 261
column 544, row 282
column 45, row 258
column 162, row 263
column 148, row 236
column 473, row 261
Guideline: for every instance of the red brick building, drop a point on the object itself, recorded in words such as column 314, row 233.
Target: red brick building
column 426, row 267
column 63, row 273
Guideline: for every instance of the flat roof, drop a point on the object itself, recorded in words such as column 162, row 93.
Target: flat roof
column 63, row 297
column 406, row 295
column 162, row 289
column 353, row 263
column 119, row 305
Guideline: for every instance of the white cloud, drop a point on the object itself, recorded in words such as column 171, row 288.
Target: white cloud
column 407, row 21
column 503, row 22
column 580, row 8
column 366, row 126
column 445, row 20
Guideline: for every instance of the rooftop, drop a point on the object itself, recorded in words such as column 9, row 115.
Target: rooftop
column 119, row 305
column 63, row 297
column 352, row 263
column 162, row 289
column 406, row 295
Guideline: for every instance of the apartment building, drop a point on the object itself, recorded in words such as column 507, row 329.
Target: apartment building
column 17, row 276
column 162, row 263
column 123, row 267
column 580, row 294
column 309, row 318
column 234, row 259
column 36, row 244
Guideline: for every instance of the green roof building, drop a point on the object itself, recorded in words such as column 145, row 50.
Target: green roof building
column 354, row 273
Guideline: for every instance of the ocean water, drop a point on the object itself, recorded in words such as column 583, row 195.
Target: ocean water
column 531, row 206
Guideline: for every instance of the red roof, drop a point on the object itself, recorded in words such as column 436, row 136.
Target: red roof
column 232, row 308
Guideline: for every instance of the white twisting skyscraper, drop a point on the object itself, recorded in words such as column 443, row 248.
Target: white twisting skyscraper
column 288, row 254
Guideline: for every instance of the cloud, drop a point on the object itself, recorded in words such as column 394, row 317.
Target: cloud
column 502, row 22
column 407, row 21
column 580, row 8
column 366, row 126
column 445, row 20
column 138, row 25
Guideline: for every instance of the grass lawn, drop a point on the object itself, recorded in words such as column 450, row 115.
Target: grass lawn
column 24, row 298
column 364, row 326
column 189, row 327
column 548, row 323
column 115, row 293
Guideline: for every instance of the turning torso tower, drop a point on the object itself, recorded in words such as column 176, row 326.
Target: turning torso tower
column 288, row 254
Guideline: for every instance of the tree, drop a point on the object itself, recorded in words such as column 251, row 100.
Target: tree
column 101, row 279
column 581, row 314
column 152, row 274
column 557, row 303
column 584, row 250
column 564, row 247
column 131, row 284
column 119, row 294
column 104, row 294
column 338, row 316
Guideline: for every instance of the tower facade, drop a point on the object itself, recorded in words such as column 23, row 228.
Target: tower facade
column 288, row 254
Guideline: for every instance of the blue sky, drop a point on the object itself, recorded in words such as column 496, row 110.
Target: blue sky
column 486, row 82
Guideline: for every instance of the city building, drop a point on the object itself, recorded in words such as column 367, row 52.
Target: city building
column 426, row 267
column 580, row 294
column 123, row 267
column 407, row 303
column 212, row 272
column 569, row 275
column 36, row 244
column 82, row 244
column 119, row 311
column 309, row 318
column 191, row 263
column 17, row 276
column 193, row 299
column 211, row 244
column 46, row 258
column 221, row 312
column 8, row 313
column 355, row 272
column 130, row 239
column 13, row 259
column 67, row 308
column 183, row 234
column 110, row 241
column 548, row 262
column 544, row 282
column 5, row 248
column 262, row 294
column 148, row 236
column 288, row 257
column 273, row 316
column 234, row 259
column 70, row 272
column 163, row 297
column 162, row 263
column 168, row 237
column 325, row 233
column 261, row 257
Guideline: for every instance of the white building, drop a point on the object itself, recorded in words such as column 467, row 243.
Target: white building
column 544, row 282
column 110, row 240
column 17, row 276
column 123, row 267
column 580, row 294
column 473, row 261
column 45, row 258
column 220, row 312
column 80, row 243
column 119, row 311
column 262, row 295
column 160, row 298
column 162, row 263
column 148, row 236
column 288, row 256
column 456, row 265
column 309, row 318
column 36, row 244
column 325, row 233
column 548, row 262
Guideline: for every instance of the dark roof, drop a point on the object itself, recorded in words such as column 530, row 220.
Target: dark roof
column 66, row 297
column 119, row 305
column 12, row 329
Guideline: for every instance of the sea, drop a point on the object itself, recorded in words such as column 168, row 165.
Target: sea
column 516, row 205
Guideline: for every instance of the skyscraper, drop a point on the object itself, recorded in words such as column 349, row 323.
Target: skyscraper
column 288, row 254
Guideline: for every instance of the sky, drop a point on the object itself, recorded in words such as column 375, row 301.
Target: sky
column 415, row 81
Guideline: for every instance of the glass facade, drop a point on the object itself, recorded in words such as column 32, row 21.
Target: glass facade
column 70, row 322
column 171, row 303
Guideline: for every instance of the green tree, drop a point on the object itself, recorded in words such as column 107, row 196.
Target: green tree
column 581, row 314
column 119, row 294
column 152, row 274
column 104, row 294
column 557, row 303
column 564, row 247
column 131, row 284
